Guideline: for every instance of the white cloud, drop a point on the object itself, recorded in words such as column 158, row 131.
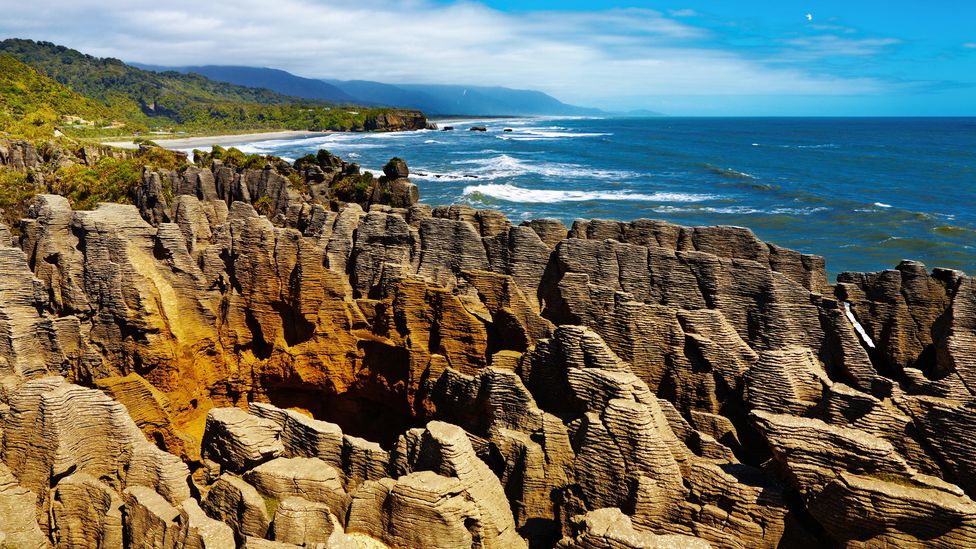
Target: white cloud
column 829, row 45
column 832, row 28
column 591, row 57
column 683, row 13
column 970, row 45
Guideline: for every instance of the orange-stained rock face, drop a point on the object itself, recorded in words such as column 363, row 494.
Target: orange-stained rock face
column 359, row 374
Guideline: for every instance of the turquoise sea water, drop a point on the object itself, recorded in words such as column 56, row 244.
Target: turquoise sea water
column 864, row 193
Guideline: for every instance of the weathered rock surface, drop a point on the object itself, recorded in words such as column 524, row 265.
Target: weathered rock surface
column 386, row 372
column 308, row 478
column 238, row 504
column 446, row 450
column 304, row 523
column 238, row 441
column 18, row 517
column 611, row 528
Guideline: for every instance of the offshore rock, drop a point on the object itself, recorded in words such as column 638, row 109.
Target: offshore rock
column 396, row 120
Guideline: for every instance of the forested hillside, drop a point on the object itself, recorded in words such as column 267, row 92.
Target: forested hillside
column 32, row 104
column 171, row 101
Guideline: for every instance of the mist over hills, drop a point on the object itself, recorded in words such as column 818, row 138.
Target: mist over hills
column 433, row 99
column 271, row 79
column 441, row 99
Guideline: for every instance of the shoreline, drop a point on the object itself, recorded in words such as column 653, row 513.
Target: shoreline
column 188, row 142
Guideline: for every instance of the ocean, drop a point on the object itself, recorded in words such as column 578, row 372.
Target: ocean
column 862, row 192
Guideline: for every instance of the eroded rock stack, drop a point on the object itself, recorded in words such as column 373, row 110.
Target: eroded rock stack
column 244, row 362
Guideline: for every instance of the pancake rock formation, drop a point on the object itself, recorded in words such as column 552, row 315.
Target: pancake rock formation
column 240, row 360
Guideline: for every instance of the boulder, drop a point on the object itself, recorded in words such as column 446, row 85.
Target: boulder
column 611, row 528
column 396, row 168
column 305, row 523
column 239, row 441
column 239, row 505
column 309, row 478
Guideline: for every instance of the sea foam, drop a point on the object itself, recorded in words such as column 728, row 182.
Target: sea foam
column 547, row 134
column 503, row 166
column 511, row 193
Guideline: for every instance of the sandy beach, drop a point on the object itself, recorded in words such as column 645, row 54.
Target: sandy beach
column 205, row 142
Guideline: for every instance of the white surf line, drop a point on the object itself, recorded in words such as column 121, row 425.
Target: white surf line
column 857, row 326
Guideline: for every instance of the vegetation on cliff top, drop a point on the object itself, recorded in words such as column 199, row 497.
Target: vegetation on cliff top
column 108, row 179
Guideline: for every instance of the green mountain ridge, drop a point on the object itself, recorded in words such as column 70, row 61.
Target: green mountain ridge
column 171, row 101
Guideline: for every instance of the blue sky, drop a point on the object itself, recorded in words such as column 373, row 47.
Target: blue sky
column 921, row 54
column 682, row 58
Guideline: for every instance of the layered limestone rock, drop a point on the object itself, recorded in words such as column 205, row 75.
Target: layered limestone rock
column 920, row 326
column 382, row 370
column 311, row 479
column 19, row 155
column 417, row 510
column 26, row 156
column 18, row 516
column 611, row 528
column 238, row 441
column 101, row 482
column 304, row 523
column 30, row 345
column 51, row 429
column 88, row 512
column 863, row 510
column 445, row 449
column 239, row 505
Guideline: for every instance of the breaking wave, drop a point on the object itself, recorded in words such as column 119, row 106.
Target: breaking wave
column 508, row 166
column 739, row 210
column 546, row 134
column 511, row 193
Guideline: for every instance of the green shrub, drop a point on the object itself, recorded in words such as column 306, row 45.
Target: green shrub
column 307, row 160
column 16, row 193
column 263, row 206
column 354, row 188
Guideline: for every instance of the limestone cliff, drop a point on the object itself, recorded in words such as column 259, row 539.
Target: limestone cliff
column 245, row 357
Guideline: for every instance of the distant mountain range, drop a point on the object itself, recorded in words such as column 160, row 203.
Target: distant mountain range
column 461, row 100
column 433, row 99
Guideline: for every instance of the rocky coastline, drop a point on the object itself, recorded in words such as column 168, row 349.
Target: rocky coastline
column 306, row 355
